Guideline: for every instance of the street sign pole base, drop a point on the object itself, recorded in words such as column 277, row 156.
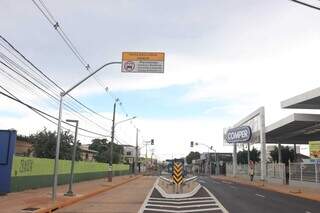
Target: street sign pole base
column 109, row 176
column 69, row 194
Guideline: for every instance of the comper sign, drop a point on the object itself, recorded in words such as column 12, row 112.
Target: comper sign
column 239, row 135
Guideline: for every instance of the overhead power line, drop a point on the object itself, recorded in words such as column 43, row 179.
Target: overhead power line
column 42, row 113
column 43, row 75
column 306, row 4
column 57, row 26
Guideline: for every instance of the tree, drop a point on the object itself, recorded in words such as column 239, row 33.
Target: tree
column 242, row 156
column 103, row 148
column 192, row 156
column 286, row 155
column 44, row 145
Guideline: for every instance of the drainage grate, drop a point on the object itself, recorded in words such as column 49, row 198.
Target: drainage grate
column 30, row 209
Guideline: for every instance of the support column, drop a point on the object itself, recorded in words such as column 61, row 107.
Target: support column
column 234, row 160
column 295, row 152
column 279, row 153
column 263, row 145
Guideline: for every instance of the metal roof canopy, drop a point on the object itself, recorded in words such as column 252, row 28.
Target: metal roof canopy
column 307, row 100
column 294, row 129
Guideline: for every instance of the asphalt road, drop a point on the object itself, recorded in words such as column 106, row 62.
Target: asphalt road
column 237, row 198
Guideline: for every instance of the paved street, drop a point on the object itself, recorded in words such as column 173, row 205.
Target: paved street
column 124, row 199
column 237, row 198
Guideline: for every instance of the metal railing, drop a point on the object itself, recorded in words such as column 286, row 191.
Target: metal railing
column 273, row 170
column 304, row 172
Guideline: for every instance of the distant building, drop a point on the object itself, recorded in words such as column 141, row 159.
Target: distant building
column 129, row 153
column 87, row 154
column 201, row 165
column 24, row 148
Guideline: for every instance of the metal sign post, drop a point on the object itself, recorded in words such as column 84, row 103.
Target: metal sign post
column 70, row 192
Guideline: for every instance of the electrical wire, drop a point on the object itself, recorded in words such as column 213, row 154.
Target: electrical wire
column 57, row 26
column 44, row 76
column 70, row 109
column 305, row 4
column 38, row 111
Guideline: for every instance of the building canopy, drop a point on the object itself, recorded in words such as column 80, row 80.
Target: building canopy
column 307, row 100
column 294, row 129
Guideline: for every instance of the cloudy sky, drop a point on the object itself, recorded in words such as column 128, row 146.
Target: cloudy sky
column 224, row 59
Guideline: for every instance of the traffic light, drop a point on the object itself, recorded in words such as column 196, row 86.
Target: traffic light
column 152, row 141
column 191, row 143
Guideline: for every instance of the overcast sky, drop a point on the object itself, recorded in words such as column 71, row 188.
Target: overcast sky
column 224, row 59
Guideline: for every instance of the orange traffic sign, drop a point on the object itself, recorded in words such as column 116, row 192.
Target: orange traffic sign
column 143, row 62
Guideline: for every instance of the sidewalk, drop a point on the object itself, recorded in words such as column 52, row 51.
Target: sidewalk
column 40, row 199
column 126, row 198
column 307, row 193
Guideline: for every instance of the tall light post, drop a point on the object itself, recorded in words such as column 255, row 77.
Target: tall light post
column 70, row 192
column 114, row 124
column 192, row 143
column 62, row 95
column 137, row 154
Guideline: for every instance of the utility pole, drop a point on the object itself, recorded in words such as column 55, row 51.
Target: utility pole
column 111, row 143
column 70, row 192
column 137, row 150
column 146, row 156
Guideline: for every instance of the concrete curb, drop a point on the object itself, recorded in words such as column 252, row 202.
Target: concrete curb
column 62, row 204
column 263, row 186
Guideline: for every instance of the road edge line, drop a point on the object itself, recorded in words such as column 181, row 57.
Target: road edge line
column 217, row 201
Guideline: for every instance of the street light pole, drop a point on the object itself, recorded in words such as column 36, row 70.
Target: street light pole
column 70, row 192
column 56, row 160
column 62, row 94
column 136, row 157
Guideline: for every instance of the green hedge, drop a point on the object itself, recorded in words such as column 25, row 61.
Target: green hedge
column 30, row 173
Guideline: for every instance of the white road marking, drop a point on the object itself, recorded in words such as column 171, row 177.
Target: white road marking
column 259, row 195
column 232, row 187
column 180, row 207
column 180, row 203
column 180, row 199
column 308, row 212
column 201, row 181
column 184, row 211
column 227, row 182
column 223, row 209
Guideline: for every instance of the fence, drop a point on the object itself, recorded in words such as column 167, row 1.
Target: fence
column 304, row 173
column 30, row 173
column 275, row 172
